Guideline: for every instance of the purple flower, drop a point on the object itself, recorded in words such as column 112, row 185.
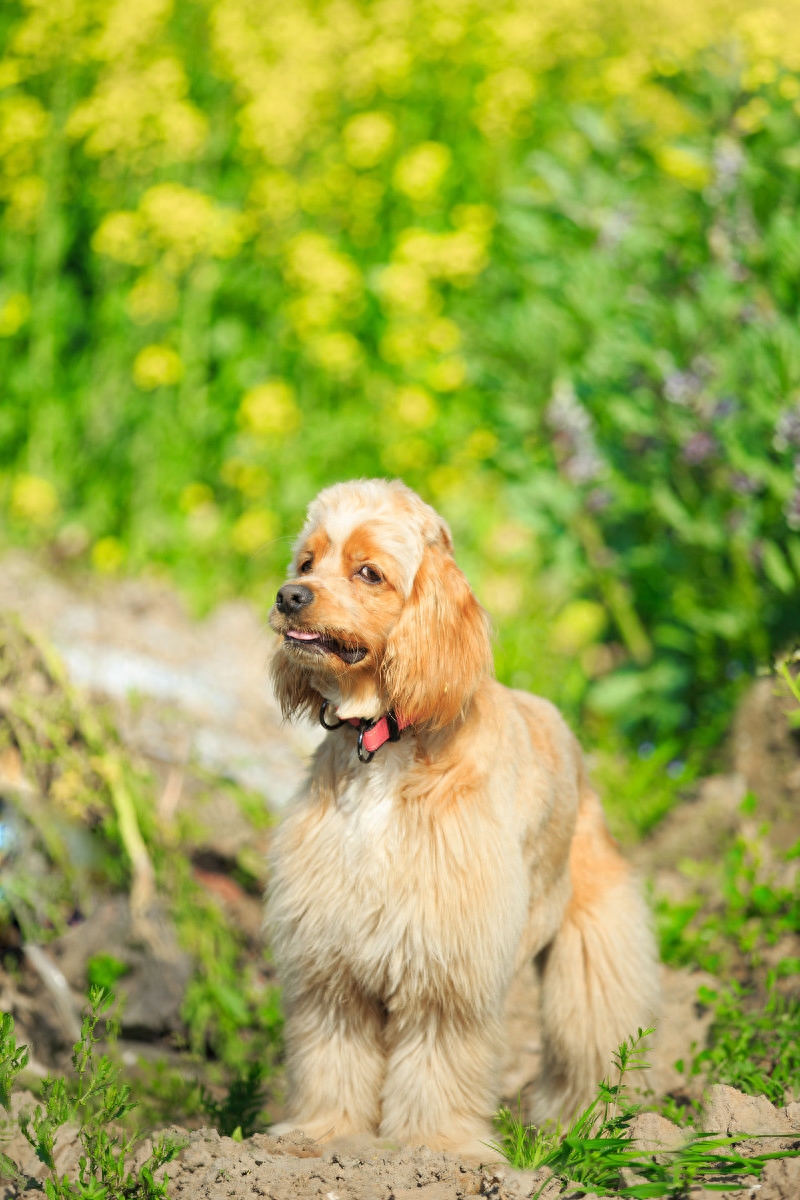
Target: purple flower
column 792, row 510
column 699, row 447
column 787, row 429
column 598, row 499
column 725, row 407
column 728, row 164
column 579, row 458
column 744, row 484
column 681, row 387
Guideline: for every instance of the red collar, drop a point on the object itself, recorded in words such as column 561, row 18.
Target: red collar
column 374, row 734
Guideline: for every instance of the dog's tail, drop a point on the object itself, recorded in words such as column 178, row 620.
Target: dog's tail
column 599, row 975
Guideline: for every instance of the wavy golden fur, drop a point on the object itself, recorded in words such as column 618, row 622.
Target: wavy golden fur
column 406, row 892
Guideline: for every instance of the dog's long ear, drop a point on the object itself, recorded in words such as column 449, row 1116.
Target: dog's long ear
column 440, row 648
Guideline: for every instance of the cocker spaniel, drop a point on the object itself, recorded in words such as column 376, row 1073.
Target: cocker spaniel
column 446, row 834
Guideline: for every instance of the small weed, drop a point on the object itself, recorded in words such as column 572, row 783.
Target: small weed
column 597, row 1146
column 104, row 970
column 755, row 1051
column 96, row 1102
column 241, row 1108
column 755, row 912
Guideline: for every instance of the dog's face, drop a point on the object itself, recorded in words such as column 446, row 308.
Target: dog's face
column 376, row 616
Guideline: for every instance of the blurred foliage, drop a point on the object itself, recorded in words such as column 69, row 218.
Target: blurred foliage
column 541, row 261
column 78, row 821
column 749, row 902
column 752, row 1046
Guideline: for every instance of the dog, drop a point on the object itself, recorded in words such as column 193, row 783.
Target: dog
column 447, row 833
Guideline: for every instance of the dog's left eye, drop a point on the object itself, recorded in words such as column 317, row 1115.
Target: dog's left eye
column 370, row 574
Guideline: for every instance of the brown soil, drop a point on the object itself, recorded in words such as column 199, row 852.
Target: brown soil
column 293, row 1167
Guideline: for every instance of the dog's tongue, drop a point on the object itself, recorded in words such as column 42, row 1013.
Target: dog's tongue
column 302, row 635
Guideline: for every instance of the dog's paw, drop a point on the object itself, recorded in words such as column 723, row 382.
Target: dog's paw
column 284, row 1127
column 318, row 1129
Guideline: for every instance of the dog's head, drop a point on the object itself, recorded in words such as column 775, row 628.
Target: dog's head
column 376, row 616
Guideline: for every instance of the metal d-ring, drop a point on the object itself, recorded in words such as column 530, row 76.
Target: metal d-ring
column 365, row 756
column 322, row 718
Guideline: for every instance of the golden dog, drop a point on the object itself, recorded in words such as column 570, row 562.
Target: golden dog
column 447, row 833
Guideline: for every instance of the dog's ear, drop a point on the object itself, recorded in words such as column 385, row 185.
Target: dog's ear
column 292, row 687
column 439, row 649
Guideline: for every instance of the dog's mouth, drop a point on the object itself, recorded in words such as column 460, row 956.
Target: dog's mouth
column 307, row 641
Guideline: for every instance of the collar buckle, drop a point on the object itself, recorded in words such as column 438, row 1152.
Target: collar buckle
column 322, row 720
column 364, row 755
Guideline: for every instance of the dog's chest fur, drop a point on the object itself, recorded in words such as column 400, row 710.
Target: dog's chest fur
column 398, row 896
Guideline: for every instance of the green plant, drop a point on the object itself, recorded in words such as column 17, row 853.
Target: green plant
column 752, row 1045
column 597, row 1147
column 238, row 1113
column 742, row 910
column 96, row 1102
column 559, row 270
column 104, row 970
column 784, row 670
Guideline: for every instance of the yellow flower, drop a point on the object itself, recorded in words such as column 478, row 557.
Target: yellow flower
column 481, row 444
column 419, row 174
column 404, row 287
column 195, row 495
column 368, row 139
column 248, row 478
column 505, row 100
column 457, row 257
column 14, row 312
column 270, row 408
column 339, row 353
column 253, row 529
column 448, row 375
column 189, row 223
column 414, row 406
column 407, row 454
column 107, row 555
column 314, row 265
column 444, row 336
column 577, row 626
column 153, row 297
column 121, row 236
column 687, row 166
column 23, row 124
column 751, row 116
column 275, row 194
column 25, row 200
column 141, row 117
column 403, row 344
column 157, row 366
column 33, row 499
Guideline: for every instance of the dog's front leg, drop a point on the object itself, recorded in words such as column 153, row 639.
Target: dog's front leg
column 335, row 1064
column 440, row 1078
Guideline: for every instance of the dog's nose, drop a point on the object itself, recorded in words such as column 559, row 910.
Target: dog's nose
column 292, row 597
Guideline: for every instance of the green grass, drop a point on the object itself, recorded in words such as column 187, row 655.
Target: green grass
column 741, row 911
column 596, row 1148
column 97, row 1102
column 90, row 813
column 754, row 1043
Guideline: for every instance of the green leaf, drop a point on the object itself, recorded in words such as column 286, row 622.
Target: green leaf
column 777, row 569
column 11, row 1172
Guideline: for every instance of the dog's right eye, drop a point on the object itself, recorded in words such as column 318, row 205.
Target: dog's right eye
column 305, row 567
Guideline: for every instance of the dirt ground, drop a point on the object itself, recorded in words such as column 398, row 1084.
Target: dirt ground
column 187, row 692
column 293, row 1167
